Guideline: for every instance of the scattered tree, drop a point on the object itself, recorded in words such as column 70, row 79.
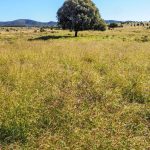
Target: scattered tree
column 80, row 15
column 113, row 25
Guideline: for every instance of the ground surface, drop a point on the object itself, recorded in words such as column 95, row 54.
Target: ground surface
column 63, row 93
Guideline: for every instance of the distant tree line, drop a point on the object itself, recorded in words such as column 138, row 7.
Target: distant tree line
column 129, row 23
column 136, row 23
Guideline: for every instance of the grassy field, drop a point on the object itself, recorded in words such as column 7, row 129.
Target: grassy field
column 58, row 92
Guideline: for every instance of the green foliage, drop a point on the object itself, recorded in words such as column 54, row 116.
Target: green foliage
column 100, row 26
column 80, row 15
column 113, row 25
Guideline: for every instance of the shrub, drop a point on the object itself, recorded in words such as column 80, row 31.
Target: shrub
column 42, row 29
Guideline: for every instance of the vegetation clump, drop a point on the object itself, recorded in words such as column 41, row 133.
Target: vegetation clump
column 42, row 29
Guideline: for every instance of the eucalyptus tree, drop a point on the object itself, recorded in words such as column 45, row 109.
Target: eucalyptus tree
column 79, row 15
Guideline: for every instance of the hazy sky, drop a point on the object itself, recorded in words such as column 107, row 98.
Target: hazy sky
column 45, row 10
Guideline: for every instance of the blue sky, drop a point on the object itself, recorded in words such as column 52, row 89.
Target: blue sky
column 45, row 10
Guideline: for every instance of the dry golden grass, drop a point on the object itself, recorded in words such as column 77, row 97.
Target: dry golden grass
column 61, row 92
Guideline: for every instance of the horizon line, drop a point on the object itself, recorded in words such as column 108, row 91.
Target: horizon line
column 56, row 20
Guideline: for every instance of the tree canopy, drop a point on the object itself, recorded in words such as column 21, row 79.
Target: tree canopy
column 113, row 25
column 80, row 15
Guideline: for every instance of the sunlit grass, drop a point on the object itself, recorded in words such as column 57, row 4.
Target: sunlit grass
column 60, row 92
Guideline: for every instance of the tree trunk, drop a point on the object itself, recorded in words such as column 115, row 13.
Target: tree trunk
column 76, row 33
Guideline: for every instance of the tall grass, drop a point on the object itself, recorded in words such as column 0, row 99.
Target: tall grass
column 90, row 92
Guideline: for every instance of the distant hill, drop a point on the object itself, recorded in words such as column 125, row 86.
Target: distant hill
column 113, row 21
column 32, row 23
column 27, row 23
